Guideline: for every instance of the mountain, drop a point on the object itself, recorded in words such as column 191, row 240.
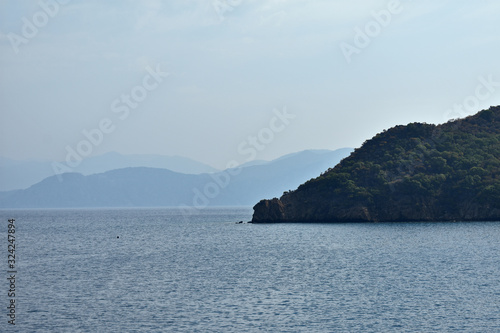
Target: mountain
column 123, row 188
column 113, row 160
column 153, row 187
column 417, row 172
column 282, row 174
column 22, row 174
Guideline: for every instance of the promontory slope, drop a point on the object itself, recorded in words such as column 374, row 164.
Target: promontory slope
column 417, row 172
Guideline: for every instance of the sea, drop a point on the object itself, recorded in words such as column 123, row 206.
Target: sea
column 169, row 270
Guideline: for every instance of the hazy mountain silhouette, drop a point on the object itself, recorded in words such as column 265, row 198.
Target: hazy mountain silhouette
column 153, row 187
column 22, row 174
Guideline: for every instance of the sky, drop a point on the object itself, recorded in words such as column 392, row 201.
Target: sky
column 220, row 81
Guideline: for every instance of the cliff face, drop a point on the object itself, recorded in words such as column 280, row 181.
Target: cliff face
column 418, row 172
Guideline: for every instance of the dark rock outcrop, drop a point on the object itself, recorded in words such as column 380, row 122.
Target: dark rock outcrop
column 269, row 210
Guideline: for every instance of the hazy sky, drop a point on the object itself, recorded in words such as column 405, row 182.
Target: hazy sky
column 292, row 74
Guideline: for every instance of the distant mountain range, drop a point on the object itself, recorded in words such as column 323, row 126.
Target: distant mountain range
column 159, row 187
column 16, row 175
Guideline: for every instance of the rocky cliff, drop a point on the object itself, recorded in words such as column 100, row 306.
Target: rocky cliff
column 417, row 172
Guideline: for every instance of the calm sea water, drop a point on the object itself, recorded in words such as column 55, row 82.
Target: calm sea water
column 204, row 273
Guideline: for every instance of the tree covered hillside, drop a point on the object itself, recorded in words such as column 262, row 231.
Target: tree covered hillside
column 413, row 172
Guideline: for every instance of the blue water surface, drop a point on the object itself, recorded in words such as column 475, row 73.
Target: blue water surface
column 201, row 272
